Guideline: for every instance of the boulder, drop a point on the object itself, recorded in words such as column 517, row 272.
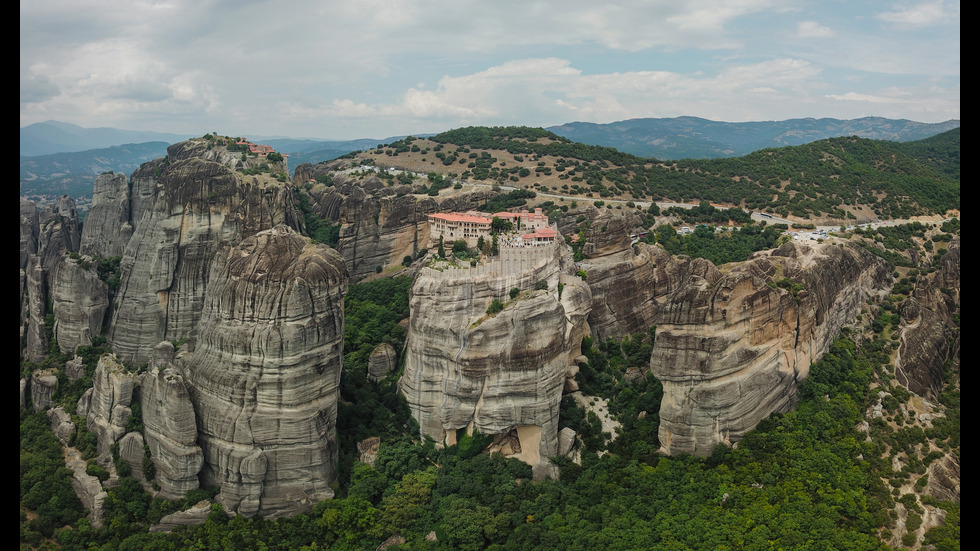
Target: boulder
column 382, row 361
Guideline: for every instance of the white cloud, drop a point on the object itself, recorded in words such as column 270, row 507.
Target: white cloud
column 812, row 29
column 312, row 67
column 923, row 14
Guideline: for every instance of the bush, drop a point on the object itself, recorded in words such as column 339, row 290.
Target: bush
column 495, row 306
column 514, row 292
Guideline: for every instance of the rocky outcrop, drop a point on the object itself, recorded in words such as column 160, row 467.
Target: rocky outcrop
column 107, row 226
column 49, row 234
column 382, row 361
column 29, row 227
column 59, row 231
column 35, row 338
column 380, row 224
column 44, row 383
column 107, row 405
column 732, row 348
column 944, row 479
column 631, row 282
column 467, row 370
column 265, row 373
column 170, row 424
column 198, row 210
column 80, row 300
column 929, row 336
column 196, row 514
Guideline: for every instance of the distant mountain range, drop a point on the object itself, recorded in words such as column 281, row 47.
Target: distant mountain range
column 696, row 138
column 61, row 158
column 45, row 138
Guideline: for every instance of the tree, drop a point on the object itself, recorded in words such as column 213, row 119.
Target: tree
column 499, row 225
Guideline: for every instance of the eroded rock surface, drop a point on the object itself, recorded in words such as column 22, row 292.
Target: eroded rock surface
column 731, row 348
column 466, row 370
column 170, row 424
column 189, row 211
column 265, row 372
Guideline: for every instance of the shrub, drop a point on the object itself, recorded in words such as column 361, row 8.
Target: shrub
column 514, row 292
column 495, row 306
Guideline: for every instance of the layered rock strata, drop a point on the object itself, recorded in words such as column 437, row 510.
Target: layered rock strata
column 467, row 370
column 170, row 424
column 188, row 211
column 107, row 226
column 107, row 406
column 265, row 372
column 731, row 348
column 80, row 300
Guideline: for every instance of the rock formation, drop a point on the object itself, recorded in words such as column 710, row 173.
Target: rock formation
column 107, row 226
column 265, row 373
column 731, row 348
column 197, row 210
column 380, row 225
column 80, row 300
column 927, row 329
column 467, row 370
column 107, row 405
column 382, row 361
column 170, row 424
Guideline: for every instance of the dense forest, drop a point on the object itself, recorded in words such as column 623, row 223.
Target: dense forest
column 807, row 479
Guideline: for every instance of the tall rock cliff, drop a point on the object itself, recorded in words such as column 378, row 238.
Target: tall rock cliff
column 80, row 300
column 265, row 373
column 732, row 347
column 170, row 423
column 631, row 282
column 469, row 370
column 108, row 227
column 198, row 209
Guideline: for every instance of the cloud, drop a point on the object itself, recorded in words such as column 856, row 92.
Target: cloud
column 38, row 88
column 550, row 90
column 924, row 14
column 865, row 98
column 812, row 29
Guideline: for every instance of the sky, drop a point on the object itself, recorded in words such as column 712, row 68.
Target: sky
column 345, row 69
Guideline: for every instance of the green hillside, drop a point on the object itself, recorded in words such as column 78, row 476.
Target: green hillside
column 837, row 179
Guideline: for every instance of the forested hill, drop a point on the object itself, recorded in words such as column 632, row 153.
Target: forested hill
column 697, row 138
column 834, row 179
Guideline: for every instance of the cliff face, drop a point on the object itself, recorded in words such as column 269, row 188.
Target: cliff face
column 926, row 341
column 466, row 370
column 731, row 349
column 80, row 300
column 107, row 226
column 380, row 225
column 630, row 283
column 197, row 210
column 170, row 423
column 265, row 373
